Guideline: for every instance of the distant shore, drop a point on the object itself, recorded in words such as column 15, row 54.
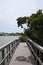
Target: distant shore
column 9, row 34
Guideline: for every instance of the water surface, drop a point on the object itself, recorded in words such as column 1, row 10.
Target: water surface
column 6, row 39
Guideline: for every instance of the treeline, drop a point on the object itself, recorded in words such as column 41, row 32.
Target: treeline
column 9, row 34
column 34, row 26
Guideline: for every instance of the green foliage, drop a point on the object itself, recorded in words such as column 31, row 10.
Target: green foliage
column 23, row 37
column 28, row 32
column 22, row 20
column 19, row 21
column 37, row 27
column 35, row 24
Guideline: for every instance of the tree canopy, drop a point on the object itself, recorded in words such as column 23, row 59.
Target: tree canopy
column 35, row 24
column 22, row 20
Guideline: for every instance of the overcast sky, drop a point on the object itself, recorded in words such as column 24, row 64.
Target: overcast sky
column 10, row 10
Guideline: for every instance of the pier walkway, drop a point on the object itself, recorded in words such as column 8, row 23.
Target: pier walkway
column 22, row 56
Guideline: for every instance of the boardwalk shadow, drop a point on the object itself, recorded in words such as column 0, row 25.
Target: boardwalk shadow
column 25, row 46
column 21, row 58
column 29, row 59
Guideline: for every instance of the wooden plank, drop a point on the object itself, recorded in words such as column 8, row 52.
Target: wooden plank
column 22, row 56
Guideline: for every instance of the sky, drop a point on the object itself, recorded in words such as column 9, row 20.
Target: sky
column 10, row 10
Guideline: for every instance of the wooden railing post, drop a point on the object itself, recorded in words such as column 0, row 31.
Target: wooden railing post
column 41, row 56
column 7, row 56
column 9, row 50
column 3, row 57
column 13, row 46
column 36, row 57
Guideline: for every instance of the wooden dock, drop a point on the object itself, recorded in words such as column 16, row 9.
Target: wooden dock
column 22, row 56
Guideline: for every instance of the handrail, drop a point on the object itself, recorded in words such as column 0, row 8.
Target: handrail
column 36, row 45
column 37, row 51
column 5, row 57
column 5, row 45
column 10, row 48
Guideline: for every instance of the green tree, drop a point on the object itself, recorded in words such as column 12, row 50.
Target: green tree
column 35, row 24
column 23, row 20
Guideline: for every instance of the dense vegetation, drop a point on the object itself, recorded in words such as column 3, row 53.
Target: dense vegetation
column 34, row 26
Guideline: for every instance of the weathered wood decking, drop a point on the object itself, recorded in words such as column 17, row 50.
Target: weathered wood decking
column 22, row 56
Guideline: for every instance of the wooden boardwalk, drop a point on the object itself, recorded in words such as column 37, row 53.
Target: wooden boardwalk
column 22, row 56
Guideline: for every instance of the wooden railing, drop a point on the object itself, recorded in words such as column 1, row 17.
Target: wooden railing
column 6, row 52
column 37, row 51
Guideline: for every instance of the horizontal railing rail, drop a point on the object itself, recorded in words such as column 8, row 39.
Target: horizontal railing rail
column 7, row 50
column 37, row 51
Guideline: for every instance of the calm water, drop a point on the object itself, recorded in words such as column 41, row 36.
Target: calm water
column 6, row 39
